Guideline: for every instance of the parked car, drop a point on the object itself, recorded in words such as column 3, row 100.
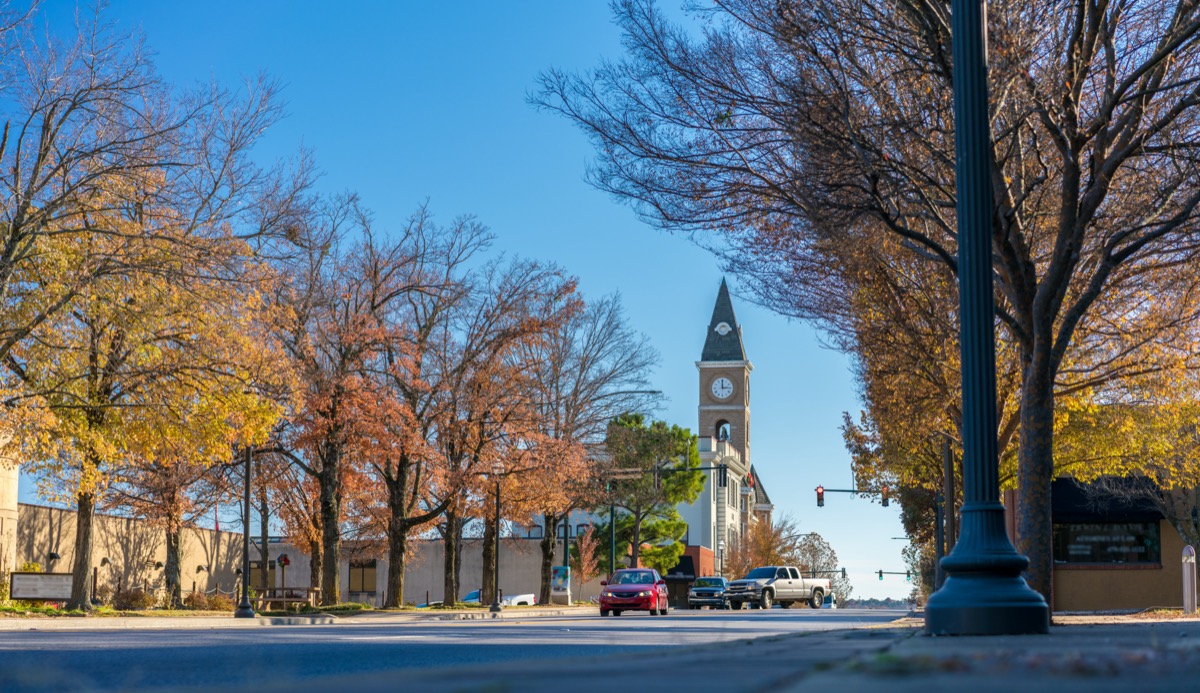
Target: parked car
column 513, row 600
column 634, row 589
column 708, row 591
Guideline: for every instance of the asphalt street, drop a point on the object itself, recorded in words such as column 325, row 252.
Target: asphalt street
column 305, row 656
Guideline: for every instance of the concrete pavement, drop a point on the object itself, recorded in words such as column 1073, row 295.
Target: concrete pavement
column 1081, row 653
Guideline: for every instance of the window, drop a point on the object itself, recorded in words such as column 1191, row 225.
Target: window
column 1110, row 542
column 362, row 576
column 795, row 574
column 722, row 430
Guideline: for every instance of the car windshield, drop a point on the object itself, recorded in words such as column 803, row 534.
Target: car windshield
column 709, row 582
column 760, row 573
column 639, row 577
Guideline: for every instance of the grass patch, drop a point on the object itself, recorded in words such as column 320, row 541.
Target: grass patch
column 23, row 610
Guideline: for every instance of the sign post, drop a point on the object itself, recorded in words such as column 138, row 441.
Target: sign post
column 1189, row 580
column 46, row 587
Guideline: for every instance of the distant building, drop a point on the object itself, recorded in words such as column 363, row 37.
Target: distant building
column 720, row 518
column 1109, row 555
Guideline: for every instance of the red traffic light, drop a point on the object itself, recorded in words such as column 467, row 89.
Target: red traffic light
column 820, row 496
column 885, row 496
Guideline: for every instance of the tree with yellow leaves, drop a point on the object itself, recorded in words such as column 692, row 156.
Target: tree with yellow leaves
column 157, row 367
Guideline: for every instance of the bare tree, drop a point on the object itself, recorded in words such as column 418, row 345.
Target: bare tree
column 798, row 128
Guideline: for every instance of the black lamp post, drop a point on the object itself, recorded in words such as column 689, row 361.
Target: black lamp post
column 244, row 608
column 497, row 469
column 983, row 592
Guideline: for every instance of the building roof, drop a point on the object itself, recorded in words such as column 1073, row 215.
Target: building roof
column 1071, row 502
column 727, row 346
column 760, row 493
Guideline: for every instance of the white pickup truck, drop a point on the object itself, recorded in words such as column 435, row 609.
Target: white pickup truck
column 784, row 585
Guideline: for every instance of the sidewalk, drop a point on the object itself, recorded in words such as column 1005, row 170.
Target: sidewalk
column 219, row 622
column 1082, row 652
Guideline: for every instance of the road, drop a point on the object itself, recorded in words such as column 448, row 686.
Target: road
column 325, row 657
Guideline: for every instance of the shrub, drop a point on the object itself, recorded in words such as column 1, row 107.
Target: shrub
column 197, row 600
column 220, row 602
column 104, row 594
column 30, row 567
column 133, row 600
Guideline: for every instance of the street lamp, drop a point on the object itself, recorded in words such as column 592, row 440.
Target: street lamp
column 983, row 593
column 244, row 608
column 497, row 470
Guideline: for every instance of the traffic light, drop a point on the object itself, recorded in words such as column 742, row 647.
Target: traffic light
column 881, row 575
column 820, row 496
column 908, row 576
column 885, row 498
column 843, row 573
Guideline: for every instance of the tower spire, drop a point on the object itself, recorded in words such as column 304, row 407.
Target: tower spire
column 724, row 339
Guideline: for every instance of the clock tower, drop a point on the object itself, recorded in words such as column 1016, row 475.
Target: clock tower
column 733, row 499
column 725, row 380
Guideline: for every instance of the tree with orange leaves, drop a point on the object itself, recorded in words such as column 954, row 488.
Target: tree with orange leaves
column 585, row 373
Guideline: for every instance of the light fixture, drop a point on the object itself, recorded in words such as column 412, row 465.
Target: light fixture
column 201, row 569
column 104, row 561
column 158, row 565
column 54, row 556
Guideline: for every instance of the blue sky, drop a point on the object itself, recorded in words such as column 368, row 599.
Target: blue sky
column 405, row 102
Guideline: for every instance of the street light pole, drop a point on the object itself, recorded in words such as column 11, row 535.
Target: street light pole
column 983, row 593
column 244, row 608
column 496, row 608
column 612, row 540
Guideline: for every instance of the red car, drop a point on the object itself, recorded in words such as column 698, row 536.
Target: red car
column 634, row 589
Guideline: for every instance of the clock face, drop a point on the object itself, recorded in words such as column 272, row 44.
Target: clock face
column 722, row 388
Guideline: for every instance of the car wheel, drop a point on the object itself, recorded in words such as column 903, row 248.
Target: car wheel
column 603, row 613
column 818, row 598
column 765, row 601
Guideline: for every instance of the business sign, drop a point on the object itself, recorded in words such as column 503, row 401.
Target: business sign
column 560, row 579
column 51, row 587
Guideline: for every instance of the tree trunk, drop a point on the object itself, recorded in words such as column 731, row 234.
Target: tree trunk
column 314, row 564
column 1035, row 472
column 635, row 545
column 488, row 578
column 397, row 543
column 459, row 523
column 81, row 568
column 449, row 556
column 171, row 571
column 397, row 554
column 331, row 539
column 549, row 534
